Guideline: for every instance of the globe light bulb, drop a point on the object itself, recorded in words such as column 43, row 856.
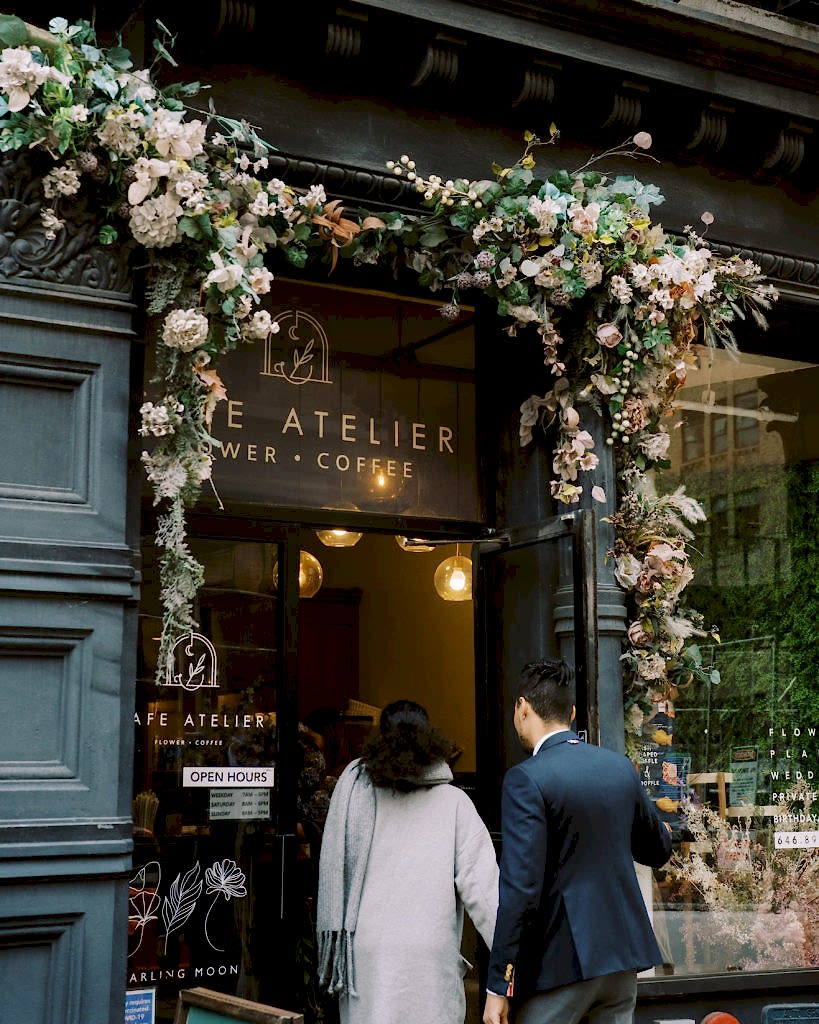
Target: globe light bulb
column 338, row 538
column 311, row 574
column 453, row 579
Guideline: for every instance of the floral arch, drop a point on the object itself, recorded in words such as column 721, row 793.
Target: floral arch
column 550, row 248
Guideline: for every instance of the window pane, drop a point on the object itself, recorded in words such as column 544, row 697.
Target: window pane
column 746, row 429
column 693, row 436
column 733, row 765
column 719, row 434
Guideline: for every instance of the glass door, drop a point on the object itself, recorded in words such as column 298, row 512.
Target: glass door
column 212, row 896
column 536, row 598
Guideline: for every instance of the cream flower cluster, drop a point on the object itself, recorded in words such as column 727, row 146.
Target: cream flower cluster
column 21, row 75
column 161, row 419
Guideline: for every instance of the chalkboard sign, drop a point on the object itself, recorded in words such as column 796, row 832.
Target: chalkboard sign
column 203, row 1006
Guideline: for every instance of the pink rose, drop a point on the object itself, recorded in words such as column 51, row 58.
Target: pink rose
column 637, row 635
column 608, row 335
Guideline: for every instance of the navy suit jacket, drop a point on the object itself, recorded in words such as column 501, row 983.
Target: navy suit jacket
column 575, row 817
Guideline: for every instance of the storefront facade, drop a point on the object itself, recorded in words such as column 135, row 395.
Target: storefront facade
column 188, row 797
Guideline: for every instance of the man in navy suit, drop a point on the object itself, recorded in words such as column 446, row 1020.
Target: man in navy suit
column 572, row 930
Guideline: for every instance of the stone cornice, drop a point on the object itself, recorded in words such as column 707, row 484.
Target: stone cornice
column 747, row 95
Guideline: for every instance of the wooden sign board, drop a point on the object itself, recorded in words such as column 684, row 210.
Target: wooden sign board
column 203, row 1006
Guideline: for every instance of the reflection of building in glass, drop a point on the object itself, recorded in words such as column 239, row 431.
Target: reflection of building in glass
column 744, row 443
column 729, row 452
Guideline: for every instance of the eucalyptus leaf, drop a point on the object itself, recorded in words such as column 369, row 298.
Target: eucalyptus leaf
column 120, row 58
column 13, row 31
column 103, row 81
column 433, row 236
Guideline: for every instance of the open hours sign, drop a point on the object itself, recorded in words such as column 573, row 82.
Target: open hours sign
column 228, row 776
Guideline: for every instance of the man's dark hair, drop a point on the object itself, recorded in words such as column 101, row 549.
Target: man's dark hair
column 549, row 687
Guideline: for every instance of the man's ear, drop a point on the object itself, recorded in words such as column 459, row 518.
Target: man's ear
column 574, row 714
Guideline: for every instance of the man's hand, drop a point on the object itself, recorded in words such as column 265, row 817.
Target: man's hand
column 496, row 1010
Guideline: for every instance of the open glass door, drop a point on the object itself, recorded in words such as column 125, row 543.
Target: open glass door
column 535, row 596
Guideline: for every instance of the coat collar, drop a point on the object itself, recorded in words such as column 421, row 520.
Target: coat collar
column 556, row 738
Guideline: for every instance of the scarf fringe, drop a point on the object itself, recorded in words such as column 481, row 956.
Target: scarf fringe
column 335, row 962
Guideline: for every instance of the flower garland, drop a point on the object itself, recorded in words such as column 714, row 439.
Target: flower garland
column 574, row 256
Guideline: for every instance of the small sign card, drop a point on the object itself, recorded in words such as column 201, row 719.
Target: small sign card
column 239, row 804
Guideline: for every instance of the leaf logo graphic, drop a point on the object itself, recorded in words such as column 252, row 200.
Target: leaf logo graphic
column 180, row 902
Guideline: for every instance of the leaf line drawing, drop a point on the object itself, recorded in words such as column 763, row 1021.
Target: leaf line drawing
column 180, row 902
column 226, row 879
column 143, row 899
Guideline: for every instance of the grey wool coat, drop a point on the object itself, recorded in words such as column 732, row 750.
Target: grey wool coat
column 431, row 857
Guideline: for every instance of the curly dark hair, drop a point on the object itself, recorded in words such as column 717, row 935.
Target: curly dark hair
column 405, row 746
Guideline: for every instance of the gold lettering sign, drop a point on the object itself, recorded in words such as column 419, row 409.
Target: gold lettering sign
column 316, row 419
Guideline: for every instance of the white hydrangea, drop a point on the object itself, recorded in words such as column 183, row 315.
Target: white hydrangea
column 545, row 211
column 651, row 667
column 154, row 223
column 136, row 85
column 62, row 181
column 260, row 207
column 185, row 329
column 186, row 182
column 78, row 113
column 159, row 420
column 620, row 289
column 121, row 132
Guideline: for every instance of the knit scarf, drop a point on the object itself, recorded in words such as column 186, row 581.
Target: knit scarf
column 345, row 849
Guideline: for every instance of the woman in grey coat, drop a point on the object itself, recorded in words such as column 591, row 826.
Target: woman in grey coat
column 403, row 854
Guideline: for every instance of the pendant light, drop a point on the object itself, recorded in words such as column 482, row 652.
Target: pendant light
column 311, row 574
column 453, row 578
column 339, row 538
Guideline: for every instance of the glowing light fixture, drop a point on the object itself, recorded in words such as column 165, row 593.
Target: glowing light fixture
column 339, row 538
column 311, row 574
column 383, row 486
column 453, row 578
